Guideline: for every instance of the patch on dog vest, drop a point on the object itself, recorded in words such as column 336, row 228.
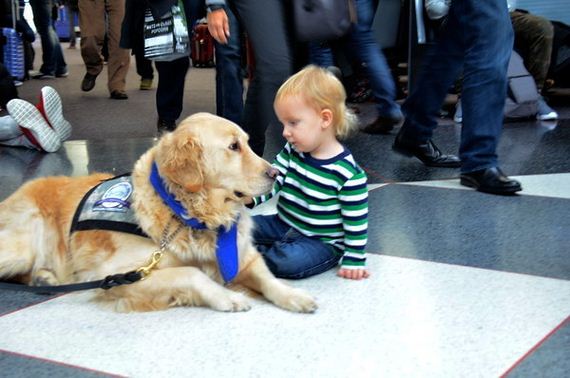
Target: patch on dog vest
column 108, row 207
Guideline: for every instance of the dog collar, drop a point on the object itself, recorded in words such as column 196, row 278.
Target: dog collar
column 226, row 243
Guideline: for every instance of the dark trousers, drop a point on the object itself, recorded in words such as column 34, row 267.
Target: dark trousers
column 264, row 22
column 229, row 77
column 533, row 41
column 171, row 75
column 477, row 39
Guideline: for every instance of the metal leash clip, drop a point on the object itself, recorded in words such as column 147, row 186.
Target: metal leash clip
column 154, row 260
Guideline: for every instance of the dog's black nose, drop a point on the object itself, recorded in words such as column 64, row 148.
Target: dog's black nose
column 272, row 172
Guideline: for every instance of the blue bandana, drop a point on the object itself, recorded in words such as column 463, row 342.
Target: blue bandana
column 226, row 244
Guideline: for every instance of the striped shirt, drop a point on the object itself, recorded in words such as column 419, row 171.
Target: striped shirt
column 324, row 199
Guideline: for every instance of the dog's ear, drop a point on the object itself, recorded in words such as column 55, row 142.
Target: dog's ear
column 180, row 160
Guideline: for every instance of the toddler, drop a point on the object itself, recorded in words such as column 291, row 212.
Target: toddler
column 323, row 198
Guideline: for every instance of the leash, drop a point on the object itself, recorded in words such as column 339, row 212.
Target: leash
column 110, row 281
column 105, row 284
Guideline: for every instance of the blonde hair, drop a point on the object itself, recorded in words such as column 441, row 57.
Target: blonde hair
column 321, row 90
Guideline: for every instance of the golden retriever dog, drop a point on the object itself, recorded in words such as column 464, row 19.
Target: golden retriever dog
column 207, row 167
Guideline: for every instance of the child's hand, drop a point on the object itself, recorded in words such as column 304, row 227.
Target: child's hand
column 247, row 200
column 353, row 274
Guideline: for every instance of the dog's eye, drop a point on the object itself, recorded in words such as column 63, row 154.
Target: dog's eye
column 234, row 146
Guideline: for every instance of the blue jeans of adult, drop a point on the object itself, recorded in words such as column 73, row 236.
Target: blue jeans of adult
column 172, row 75
column 288, row 253
column 364, row 48
column 229, row 77
column 53, row 62
column 265, row 24
column 477, row 39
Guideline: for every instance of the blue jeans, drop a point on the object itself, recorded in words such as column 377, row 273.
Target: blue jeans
column 229, row 77
column 363, row 46
column 288, row 253
column 53, row 62
column 478, row 39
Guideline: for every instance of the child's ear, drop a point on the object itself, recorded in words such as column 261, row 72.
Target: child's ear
column 326, row 117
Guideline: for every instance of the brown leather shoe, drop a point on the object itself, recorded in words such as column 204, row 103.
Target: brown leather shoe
column 119, row 95
column 88, row 82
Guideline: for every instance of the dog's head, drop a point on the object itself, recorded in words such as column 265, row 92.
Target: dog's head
column 209, row 153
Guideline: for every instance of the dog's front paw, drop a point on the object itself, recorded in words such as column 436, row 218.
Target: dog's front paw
column 230, row 302
column 44, row 277
column 297, row 300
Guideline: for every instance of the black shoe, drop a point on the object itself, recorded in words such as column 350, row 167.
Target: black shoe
column 382, row 125
column 43, row 76
column 490, row 180
column 119, row 95
column 427, row 152
column 88, row 82
column 165, row 126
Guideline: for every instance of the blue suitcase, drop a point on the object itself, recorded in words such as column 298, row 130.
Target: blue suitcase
column 14, row 53
column 62, row 24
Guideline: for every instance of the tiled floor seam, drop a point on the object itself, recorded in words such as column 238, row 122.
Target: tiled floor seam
column 63, row 364
column 535, row 347
column 30, row 305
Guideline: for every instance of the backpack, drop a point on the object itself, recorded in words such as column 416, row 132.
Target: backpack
column 522, row 94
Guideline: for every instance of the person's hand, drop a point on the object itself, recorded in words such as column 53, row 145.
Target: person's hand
column 219, row 26
column 247, row 200
column 353, row 274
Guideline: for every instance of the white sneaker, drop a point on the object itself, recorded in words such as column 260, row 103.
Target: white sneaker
column 545, row 112
column 50, row 103
column 458, row 116
column 29, row 117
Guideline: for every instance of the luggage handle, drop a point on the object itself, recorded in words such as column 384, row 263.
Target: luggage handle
column 15, row 5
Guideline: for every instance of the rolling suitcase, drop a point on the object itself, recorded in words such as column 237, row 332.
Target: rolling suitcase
column 202, row 46
column 14, row 47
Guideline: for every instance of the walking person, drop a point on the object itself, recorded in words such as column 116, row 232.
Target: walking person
column 477, row 39
column 95, row 18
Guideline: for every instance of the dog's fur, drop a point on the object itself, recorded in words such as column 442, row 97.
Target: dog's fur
column 208, row 166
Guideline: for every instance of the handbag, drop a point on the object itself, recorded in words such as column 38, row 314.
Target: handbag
column 322, row 20
column 166, row 39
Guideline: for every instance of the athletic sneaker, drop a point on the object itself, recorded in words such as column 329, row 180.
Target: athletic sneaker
column 33, row 122
column 50, row 106
column 146, row 84
column 545, row 112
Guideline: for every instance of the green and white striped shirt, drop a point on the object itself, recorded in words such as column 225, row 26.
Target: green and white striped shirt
column 324, row 199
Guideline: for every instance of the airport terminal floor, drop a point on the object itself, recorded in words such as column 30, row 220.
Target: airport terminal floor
column 462, row 283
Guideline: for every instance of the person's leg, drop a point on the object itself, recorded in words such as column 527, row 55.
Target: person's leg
column 229, row 77
column 265, row 24
column 41, row 10
column 442, row 65
column 289, row 254
column 119, row 58
column 366, row 49
column 9, row 128
column 170, row 89
column 533, row 41
column 71, row 26
column 488, row 41
column 320, row 54
column 92, row 25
